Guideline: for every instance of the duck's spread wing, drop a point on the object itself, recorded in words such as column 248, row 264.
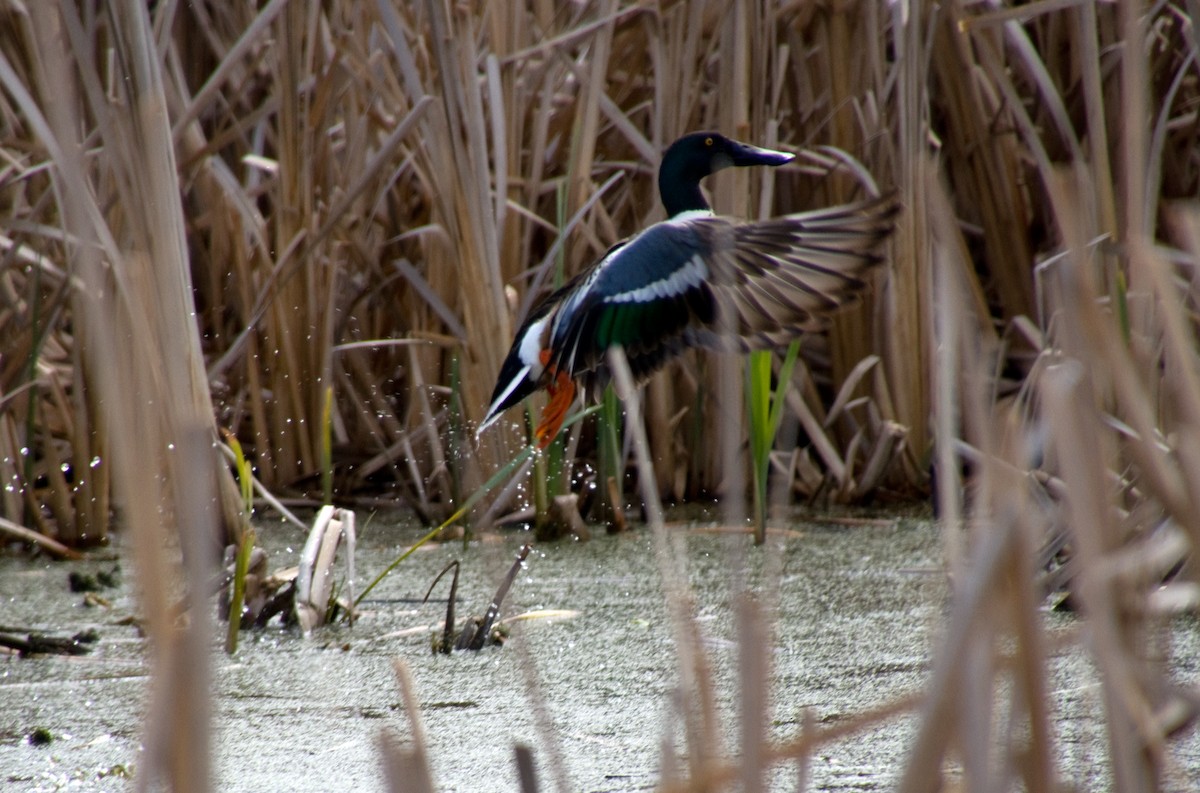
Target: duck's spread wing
column 718, row 283
column 774, row 279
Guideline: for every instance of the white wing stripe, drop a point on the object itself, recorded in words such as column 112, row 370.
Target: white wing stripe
column 678, row 282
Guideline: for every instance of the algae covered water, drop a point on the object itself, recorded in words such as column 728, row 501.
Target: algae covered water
column 857, row 611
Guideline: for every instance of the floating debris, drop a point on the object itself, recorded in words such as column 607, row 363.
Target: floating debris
column 305, row 594
column 315, row 600
column 265, row 595
column 87, row 582
column 35, row 643
column 41, row 737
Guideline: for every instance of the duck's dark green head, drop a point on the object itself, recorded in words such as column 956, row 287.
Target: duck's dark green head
column 695, row 156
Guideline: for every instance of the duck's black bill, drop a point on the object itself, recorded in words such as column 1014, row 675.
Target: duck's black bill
column 744, row 154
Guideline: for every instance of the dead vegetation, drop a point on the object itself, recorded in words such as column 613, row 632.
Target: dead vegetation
column 372, row 196
column 229, row 211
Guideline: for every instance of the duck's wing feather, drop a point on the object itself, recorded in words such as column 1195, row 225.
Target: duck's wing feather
column 718, row 283
column 642, row 297
column 774, row 279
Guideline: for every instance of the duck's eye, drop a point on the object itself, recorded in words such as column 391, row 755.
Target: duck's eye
column 708, row 141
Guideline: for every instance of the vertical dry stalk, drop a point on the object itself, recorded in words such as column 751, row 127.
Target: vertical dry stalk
column 754, row 670
column 294, row 333
column 1051, row 460
column 995, row 602
column 908, row 304
column 143, row 350
column 696, row 696
column 731, row 196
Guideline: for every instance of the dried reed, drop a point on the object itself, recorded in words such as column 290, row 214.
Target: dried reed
column 268, row 202
column 361, row 175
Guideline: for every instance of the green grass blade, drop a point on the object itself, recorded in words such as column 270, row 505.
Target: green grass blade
column 470, row 503
column 238, row 598
column 766, row 414
column 758, row 397
column 245, row 543
column 245, row 476
column 785, row 381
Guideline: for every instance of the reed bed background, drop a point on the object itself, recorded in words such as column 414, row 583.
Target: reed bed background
column 235, row 215
column 374, row 195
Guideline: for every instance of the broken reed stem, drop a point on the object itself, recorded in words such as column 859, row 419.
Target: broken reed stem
column 407, row 770
column 50, row 545
column 808, row 742
column 543, row 720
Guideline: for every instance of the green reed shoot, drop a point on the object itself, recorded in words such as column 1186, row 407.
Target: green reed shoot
column 765, row 410
column 474, row 498
column 548, row 479
column 471, row 501
column 609, row 462
column 245, row 544
column 540, row 486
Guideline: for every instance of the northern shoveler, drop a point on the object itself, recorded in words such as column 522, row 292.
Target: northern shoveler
column 693, row 280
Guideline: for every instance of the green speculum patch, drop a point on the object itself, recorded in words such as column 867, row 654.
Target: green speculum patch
column 627, row 324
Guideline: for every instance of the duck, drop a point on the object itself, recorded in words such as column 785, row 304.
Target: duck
column 694, row 280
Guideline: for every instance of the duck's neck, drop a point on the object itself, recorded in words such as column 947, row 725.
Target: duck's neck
column 680, row 193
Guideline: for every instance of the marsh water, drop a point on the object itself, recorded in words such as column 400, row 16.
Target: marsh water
column 858, row 608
